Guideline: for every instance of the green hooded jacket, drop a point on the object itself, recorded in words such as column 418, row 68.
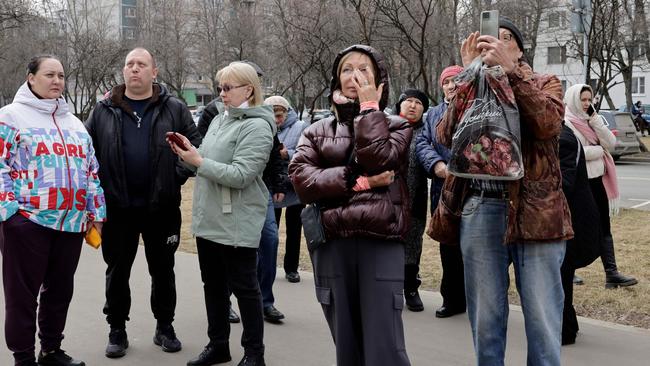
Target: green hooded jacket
column 230, row 198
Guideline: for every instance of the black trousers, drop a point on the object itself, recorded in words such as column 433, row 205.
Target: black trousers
column 607, row 255
column 359, row 284
column 160, row 232
column 452, row 285
column 293, row 229
column 225, row 268
column 38, row 266
column 569, row 318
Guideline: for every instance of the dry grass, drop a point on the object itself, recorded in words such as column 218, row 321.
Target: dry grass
column 629, row 306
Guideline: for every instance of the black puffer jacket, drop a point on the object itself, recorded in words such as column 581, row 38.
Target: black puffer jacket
column 167, row 173
column 275, row 174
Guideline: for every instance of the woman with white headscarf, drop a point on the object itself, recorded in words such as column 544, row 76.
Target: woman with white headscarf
column 597, row 139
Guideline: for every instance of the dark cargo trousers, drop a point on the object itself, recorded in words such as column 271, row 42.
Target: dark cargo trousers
column 38, row 266
column 160, row 232
column 360, row 285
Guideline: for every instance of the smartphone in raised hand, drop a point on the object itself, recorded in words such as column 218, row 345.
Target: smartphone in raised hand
column 176, row 140
column 490, row 23
column 591, row 110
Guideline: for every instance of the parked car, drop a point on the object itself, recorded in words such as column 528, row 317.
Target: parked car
column 196, row 113
column 622, row 126
column 316, row 115
column 646, row 108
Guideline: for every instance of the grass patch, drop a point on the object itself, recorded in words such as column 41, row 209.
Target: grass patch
column 630, row 306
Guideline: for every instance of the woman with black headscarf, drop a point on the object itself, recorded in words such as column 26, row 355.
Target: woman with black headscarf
column 411, row 106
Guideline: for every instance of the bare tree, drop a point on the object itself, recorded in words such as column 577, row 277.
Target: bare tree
column 166, row 30
column 311, row 32
column 92, row 53
column 209, row 34
column 413, row 20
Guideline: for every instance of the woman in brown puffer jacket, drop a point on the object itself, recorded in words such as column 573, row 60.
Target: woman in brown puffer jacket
column 354, row 165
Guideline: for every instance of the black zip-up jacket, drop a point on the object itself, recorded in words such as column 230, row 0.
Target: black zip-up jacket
column 275, row 174
column 167, row 173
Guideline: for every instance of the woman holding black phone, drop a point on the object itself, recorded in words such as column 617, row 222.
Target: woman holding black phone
column 229, row 208
column 597, row 139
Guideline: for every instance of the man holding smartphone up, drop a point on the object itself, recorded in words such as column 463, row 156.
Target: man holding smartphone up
column 524, row 222
column 142, row 179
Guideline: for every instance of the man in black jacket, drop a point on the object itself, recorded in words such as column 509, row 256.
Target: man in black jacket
column 142, row 179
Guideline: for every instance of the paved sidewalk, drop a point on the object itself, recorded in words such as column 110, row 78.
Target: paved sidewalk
column 303, row 339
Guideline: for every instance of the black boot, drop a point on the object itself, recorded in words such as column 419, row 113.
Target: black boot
column 607, row 255
column 256, row 360
column 211, row 354
column 411, row 283
column 613, row 278
column 413, row 301
column 232, row 316
column 117, row 343
column 165, row 337
column 617, row 279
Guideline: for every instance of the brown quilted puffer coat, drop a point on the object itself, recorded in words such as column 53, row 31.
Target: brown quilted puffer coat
column 322, row 171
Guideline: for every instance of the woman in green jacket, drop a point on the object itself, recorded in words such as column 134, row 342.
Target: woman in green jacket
column 229, row 209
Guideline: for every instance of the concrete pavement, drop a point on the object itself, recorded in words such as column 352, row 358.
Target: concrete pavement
column 304, row 338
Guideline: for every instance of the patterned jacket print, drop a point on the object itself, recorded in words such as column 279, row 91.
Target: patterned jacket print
column 48, row 170
column 538, row 210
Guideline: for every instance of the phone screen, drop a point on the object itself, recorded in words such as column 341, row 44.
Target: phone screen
column 490, row 23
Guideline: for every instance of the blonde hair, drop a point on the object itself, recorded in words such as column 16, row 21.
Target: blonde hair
column 244, row 74
column 344, row 59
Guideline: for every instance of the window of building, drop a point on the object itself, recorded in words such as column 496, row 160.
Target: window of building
column 556, row 19
column 129, row 12
column 638, row 85
column 557, row 55
column 128, row 33
column 638, row 51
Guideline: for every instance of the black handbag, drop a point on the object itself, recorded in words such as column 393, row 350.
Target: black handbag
column 312, row 226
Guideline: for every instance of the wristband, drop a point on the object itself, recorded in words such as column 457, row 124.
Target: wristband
column 362, row 184
column 372, row 104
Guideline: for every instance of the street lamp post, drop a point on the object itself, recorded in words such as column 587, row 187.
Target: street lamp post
column 581, row 24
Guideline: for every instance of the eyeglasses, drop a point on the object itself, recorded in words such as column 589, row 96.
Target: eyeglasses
column 227, row 88
column 506, row 37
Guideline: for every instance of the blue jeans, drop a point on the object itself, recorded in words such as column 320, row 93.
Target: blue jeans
column 267, row 256
column 537, row 276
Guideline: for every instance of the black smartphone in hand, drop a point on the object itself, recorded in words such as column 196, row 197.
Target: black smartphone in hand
column 591, row 110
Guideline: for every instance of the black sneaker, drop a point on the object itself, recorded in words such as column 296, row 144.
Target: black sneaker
column 232, row 316
column 577, row 280
column 413, row 301
column 165, row 337
column 293, row 277
column 272, row 315
column 58, row 358
column 252, row 361
column 211, row 354
column 117, row 343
